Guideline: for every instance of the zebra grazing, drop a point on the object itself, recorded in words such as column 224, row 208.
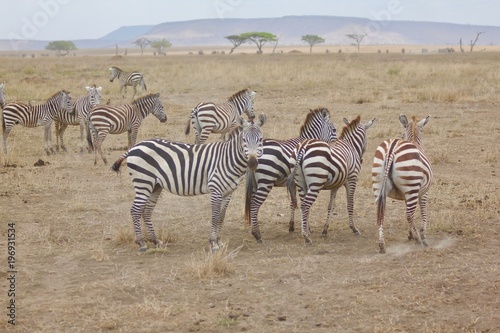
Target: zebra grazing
column 127, row 79
column 106, row 119
column 2, row 95
column 276, row 163
column 401, row 171
column 209, row 118
column 35, row 115
column 185, row 169
column 323, row 166
column 80, row 108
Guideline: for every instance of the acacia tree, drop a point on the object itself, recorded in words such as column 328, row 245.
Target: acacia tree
column 312, row 40
column 142, row 42
column 161, row 45
column 472, row 43
column 357, row 38
column 236, row 40
column 61, row 45
column 259, row 38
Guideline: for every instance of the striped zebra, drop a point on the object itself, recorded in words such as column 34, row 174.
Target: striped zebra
column 322, row 166
column 35, row 115
column 80, row 108
column 401, row 171
column 2, row 95
column 208, row 117
column 107, row 119
column 127, row 79
column 186, row 170
column 276, row 163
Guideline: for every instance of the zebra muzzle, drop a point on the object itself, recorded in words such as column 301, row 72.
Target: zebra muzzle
column 252, row 163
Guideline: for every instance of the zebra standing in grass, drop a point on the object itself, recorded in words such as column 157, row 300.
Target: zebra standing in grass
column 401, row 171
column 2, row 95
column 127, row 79
column 322, row 166
column 184, row 169
column 276, row 163
column 35, row 115
column 106, row 119
column 80, row 108
column 209, row 118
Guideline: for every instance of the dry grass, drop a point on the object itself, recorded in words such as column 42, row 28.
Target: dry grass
column 75, row 244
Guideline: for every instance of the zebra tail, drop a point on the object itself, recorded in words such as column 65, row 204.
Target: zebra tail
column 188, row 127
column 251, row 187
column 193, row 114
column 298, row 155
column 116, row 166
column 382, row 196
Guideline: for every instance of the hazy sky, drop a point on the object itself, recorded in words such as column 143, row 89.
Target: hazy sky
column 81, row 19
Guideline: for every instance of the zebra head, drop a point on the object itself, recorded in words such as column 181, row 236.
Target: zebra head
column 94, row 94
column 61, row 101
column 252, row 141
column 2, row 95
column 157, row 108
column 412, row 130
column 113, row 73
column 318, row 125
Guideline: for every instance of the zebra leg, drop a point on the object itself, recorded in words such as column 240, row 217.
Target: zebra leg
column 6, row 133
column 148, row 211
column 135, row 91
column 123, row 87
column 58, row 128
column 331, row 206
column 350, row 189
column 257, row 200
column 292, row 190
column 82, row 128
column 423, row 212
column 136, row 211
column 48, row 139
column 216, row 203
column 306, row 203
column 223, row 208
column 62, row 129
column 98, row 146
column 410, row 213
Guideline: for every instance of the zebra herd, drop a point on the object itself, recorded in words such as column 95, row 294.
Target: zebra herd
column 315, row 160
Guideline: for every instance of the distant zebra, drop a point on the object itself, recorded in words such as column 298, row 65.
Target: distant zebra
column 186, row 170
column 106, row 119
column 35, row 115
column 276, row 163
column 208, row 117
column 80, row 108
column 2, row 95
column 127, row 79
column 401, row 171
column 322, row 166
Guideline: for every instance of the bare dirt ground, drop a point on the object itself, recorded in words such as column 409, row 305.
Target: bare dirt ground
column 78, row 269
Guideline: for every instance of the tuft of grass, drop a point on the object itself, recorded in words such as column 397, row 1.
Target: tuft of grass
column 208, row 265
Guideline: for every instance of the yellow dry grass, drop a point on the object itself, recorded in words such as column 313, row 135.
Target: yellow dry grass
column 78, row 266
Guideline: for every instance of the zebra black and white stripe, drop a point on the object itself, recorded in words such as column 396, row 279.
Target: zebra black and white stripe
column 127, row 79
column 401, row 171
column 186, row 170
column 208, row 117
column 35, row 115
column 107, row 119
column 276, row 164
column 322, row 166
column 80, row 108
column 2, row 95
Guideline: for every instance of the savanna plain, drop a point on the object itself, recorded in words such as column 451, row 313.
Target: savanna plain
column 78, row 268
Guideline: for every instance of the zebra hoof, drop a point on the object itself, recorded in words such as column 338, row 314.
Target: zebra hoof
column 143, row 249
column 259, row 241
column 381, row 249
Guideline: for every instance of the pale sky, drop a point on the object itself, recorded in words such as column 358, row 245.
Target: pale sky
column 89, row 19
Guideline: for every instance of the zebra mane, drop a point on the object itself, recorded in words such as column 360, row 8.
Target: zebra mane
column 241, row 92
column 350, row 127
column 58, row 93
column 310, row 117
column 138, row 100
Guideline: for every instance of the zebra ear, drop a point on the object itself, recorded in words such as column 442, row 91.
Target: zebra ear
column 403, row 120
column 2, row 85
column 424, row 121
column 346, row 121
column 262, row 119
column 370, row 123
column 325, row 113
column 242, row 121
column 87, row 88
column 98, row 89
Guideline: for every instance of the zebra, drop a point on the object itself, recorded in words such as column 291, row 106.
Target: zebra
column 323, row 166
column 35, row 115
column 184, row 169
column 401, row 171
column 127, row 79
column 2, row 95
column 80, row 108
column 208, row 117
column 275, row 165
column 104, row 119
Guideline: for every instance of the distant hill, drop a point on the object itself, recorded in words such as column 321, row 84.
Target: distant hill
column 290, row 29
